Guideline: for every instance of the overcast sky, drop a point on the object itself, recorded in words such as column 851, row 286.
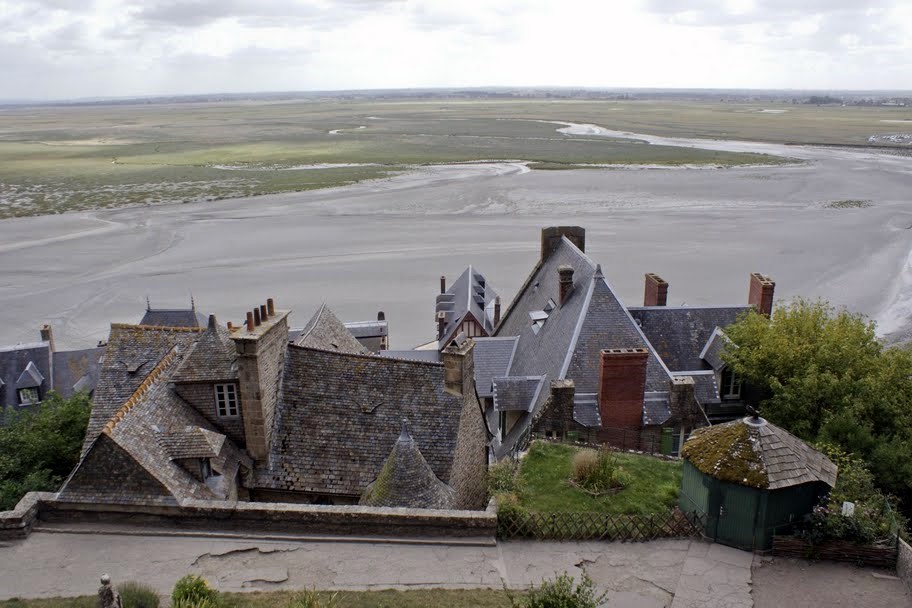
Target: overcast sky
column 89, row 48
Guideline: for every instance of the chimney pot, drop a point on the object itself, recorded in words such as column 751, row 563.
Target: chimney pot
column 381, row 316
column 565, row 275
column 230, row 326
column 442, row 284
column 256, row 316
column 263, row 314
column 656, row 292
column 270, row 306
column 250, row 322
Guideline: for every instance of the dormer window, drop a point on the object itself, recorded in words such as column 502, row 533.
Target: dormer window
column 28, row 396
column 226, row 401
column 730, row 388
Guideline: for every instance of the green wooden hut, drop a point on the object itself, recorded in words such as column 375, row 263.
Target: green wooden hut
column 751, row 480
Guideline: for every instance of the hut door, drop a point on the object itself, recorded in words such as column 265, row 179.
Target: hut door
column 736, row 515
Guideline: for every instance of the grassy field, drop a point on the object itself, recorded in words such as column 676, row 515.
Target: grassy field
column 424, row 598
column 58, row 159
column 546, row 470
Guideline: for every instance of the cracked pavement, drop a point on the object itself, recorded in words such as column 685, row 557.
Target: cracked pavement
column 639, row 575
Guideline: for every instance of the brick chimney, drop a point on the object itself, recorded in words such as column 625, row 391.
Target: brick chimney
column 565, row 278
column 656, row 290
column 551, row 238
column 261, row 346
column 760, row 295
column 622, row 387
column 47, row 335
column 459, row 368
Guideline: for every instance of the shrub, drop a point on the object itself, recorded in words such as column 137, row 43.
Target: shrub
column 598, row 472
column 561, row 593
column 137, row 595
column 309, row 598
column 193, row 591
column 503, row 477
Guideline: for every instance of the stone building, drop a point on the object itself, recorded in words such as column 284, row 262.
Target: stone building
column 568, row 356
column 242, row 413
column 29, row 372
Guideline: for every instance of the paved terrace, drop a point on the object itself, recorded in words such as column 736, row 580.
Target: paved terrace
column 676, row 573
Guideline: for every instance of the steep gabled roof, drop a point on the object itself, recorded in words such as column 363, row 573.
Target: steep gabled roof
column 715, row 346
column 213, row 358
column 406, row 480
column 131, row 354
column 30, row 377
column 679, row 333
column 470, row 294
column 325, row 331
column 339, row 414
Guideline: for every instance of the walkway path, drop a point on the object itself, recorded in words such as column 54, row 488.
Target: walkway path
column 687, row 573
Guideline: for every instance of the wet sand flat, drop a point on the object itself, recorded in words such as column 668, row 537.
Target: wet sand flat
column 382, row 245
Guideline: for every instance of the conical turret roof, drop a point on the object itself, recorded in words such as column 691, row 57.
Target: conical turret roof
column 406, row 480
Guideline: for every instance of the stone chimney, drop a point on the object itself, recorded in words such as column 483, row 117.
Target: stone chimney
column 47, row 335
column 683, row 402
column 551, row 238
column 261, row 346
column 565, row 278
column 760, row 295
column 622, row 387
column 496, row 311
column 656, row 293
column 560, row 412
column 459, row 368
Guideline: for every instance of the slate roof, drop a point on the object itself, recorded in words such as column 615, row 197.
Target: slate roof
column 406, row 480
column 30, row 377
column 368, row 329
column 131, row 353
column 339, row 414
column 775, row 458
column 13, row 362
column 586, row 410
column 712, row 351
column 517, row 393
column 173, row 317
column 77, row 370
column 151, row 426
column 493, row 357
column 706, row 389
column 469, row 294
column 325, row 331
column 212, row 358
column 679, row 333
column 190, row 442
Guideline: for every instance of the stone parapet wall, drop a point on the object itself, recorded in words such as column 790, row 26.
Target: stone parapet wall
column 267, row 518
column 904, row 563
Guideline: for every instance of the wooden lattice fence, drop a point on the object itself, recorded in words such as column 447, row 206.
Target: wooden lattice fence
column 517, row 523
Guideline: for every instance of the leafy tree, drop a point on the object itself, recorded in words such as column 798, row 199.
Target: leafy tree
column 821, row 373
column 39, row 447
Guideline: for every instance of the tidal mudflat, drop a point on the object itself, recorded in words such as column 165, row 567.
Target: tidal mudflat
column 382, row 245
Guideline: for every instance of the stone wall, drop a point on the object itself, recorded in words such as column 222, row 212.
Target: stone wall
column 255, row 518
column 201, row 396
column 904, row 563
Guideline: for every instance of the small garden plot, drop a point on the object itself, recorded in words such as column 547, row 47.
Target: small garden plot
column 639, row 484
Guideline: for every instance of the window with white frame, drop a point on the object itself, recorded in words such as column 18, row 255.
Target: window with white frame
column 226, row 401
column 28, row 396
column 731, row 385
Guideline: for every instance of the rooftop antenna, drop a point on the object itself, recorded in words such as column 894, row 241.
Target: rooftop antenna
column 148, row 303
column 192, row 303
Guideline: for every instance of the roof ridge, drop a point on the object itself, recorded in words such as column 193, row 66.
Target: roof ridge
column 158, row 328
column 365, row 356
column 141, row 390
